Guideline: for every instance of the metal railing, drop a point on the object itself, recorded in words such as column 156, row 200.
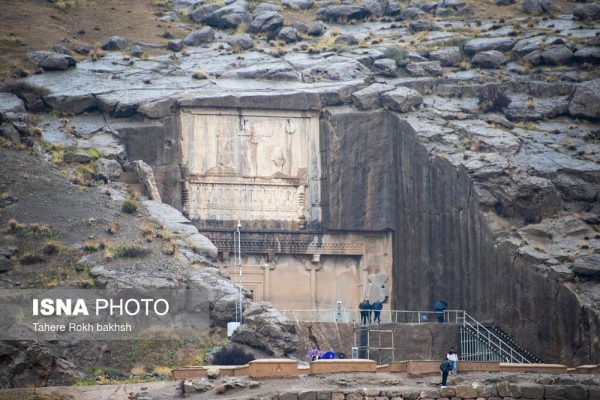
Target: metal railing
column 478, row 343
column 352, row 316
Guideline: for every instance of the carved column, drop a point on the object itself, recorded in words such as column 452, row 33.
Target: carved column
column 267, row 267
column 313, row 267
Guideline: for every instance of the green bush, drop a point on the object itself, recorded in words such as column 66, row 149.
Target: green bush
column 397, row 54
column 129, row 206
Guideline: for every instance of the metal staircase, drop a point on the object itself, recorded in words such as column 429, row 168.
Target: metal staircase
column 479, row 343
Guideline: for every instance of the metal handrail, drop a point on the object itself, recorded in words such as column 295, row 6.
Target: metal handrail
column 487, row 335
column 386, row 316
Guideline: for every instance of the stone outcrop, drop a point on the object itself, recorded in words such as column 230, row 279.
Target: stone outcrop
column 586, row 101
column 266, row 329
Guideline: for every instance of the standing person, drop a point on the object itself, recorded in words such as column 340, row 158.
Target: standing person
column 376, row 307
column 445, row 367
column 453, row 358
column 369, row 311
column 364, row 308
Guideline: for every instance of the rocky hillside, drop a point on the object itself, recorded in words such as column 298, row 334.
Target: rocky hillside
column 470, row 129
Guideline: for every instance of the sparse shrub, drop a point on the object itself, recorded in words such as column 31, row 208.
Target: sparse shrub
column 67, row 5
column 493, row 99
column 97, row 53
column 13, row 224
column 397, row 54
column 199, row 74
column 30, row 258
column 169, row 248
column 234, row 355
column 112, row 227
column 53, row 247
column 129, row 206
column 125, row 251
column 90, row 246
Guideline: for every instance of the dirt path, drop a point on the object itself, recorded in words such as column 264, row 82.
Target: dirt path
column 28, row 25
column 96, row 392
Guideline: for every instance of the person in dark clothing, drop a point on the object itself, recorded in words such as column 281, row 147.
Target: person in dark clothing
column 445, row 367
column 376, row 307
column 365, row 310
column 440, row 306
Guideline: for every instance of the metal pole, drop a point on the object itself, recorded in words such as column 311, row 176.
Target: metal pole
column 239, row 225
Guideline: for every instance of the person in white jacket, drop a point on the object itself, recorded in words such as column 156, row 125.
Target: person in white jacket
column 453, row 358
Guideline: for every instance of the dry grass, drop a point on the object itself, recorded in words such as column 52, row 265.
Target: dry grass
column 199, row 74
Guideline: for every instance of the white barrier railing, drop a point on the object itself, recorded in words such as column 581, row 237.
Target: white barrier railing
column 353, row 316
column 478, row 343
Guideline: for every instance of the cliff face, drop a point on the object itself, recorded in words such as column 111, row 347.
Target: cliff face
column 445, row 246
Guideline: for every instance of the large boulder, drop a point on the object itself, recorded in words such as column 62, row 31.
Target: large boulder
column 401, row 99
column 553, row 55
column 425, row 68
column 265, row 21
column 343, row 13
column 370, row 97
column 266, row 329
column 588, row 55
column 26, row 364
column 448, row 57
column 477, row 45
column 298, row 4
column 586, row 101
column 275, row 71
column 489, row 59
column 114, row 43
column 243, row 42
column 228, row 17
column 385, row 67
column 185, row 5
column 527, row 45
column 52, row 61
column 373, row 7
column 108, row 169
column 201, row 13
column 316, row 29
column 288, row 35
column 199, row 37
column 587, row 265
column 587, row 11
column 346, row 39
column 538, row 7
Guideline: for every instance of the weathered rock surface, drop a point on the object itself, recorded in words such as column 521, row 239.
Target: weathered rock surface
column 370, row 97
column 587, row 11
column 538, row 7
column 199, row 37
column 267, row 329
column 108, row 169
column 586, row 101
column 229, row 16
column 401, row 99
column 489, row 59
column 342, row 13
column 588, row 265
column 448, row 57
column 201, row 13
column 484, row 44
column 266, row 21
column 553, row 55
column 114, row 43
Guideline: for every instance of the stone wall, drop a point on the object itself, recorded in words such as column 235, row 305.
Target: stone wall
column 499, row 391
column 411, row 341
column 443, row 246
